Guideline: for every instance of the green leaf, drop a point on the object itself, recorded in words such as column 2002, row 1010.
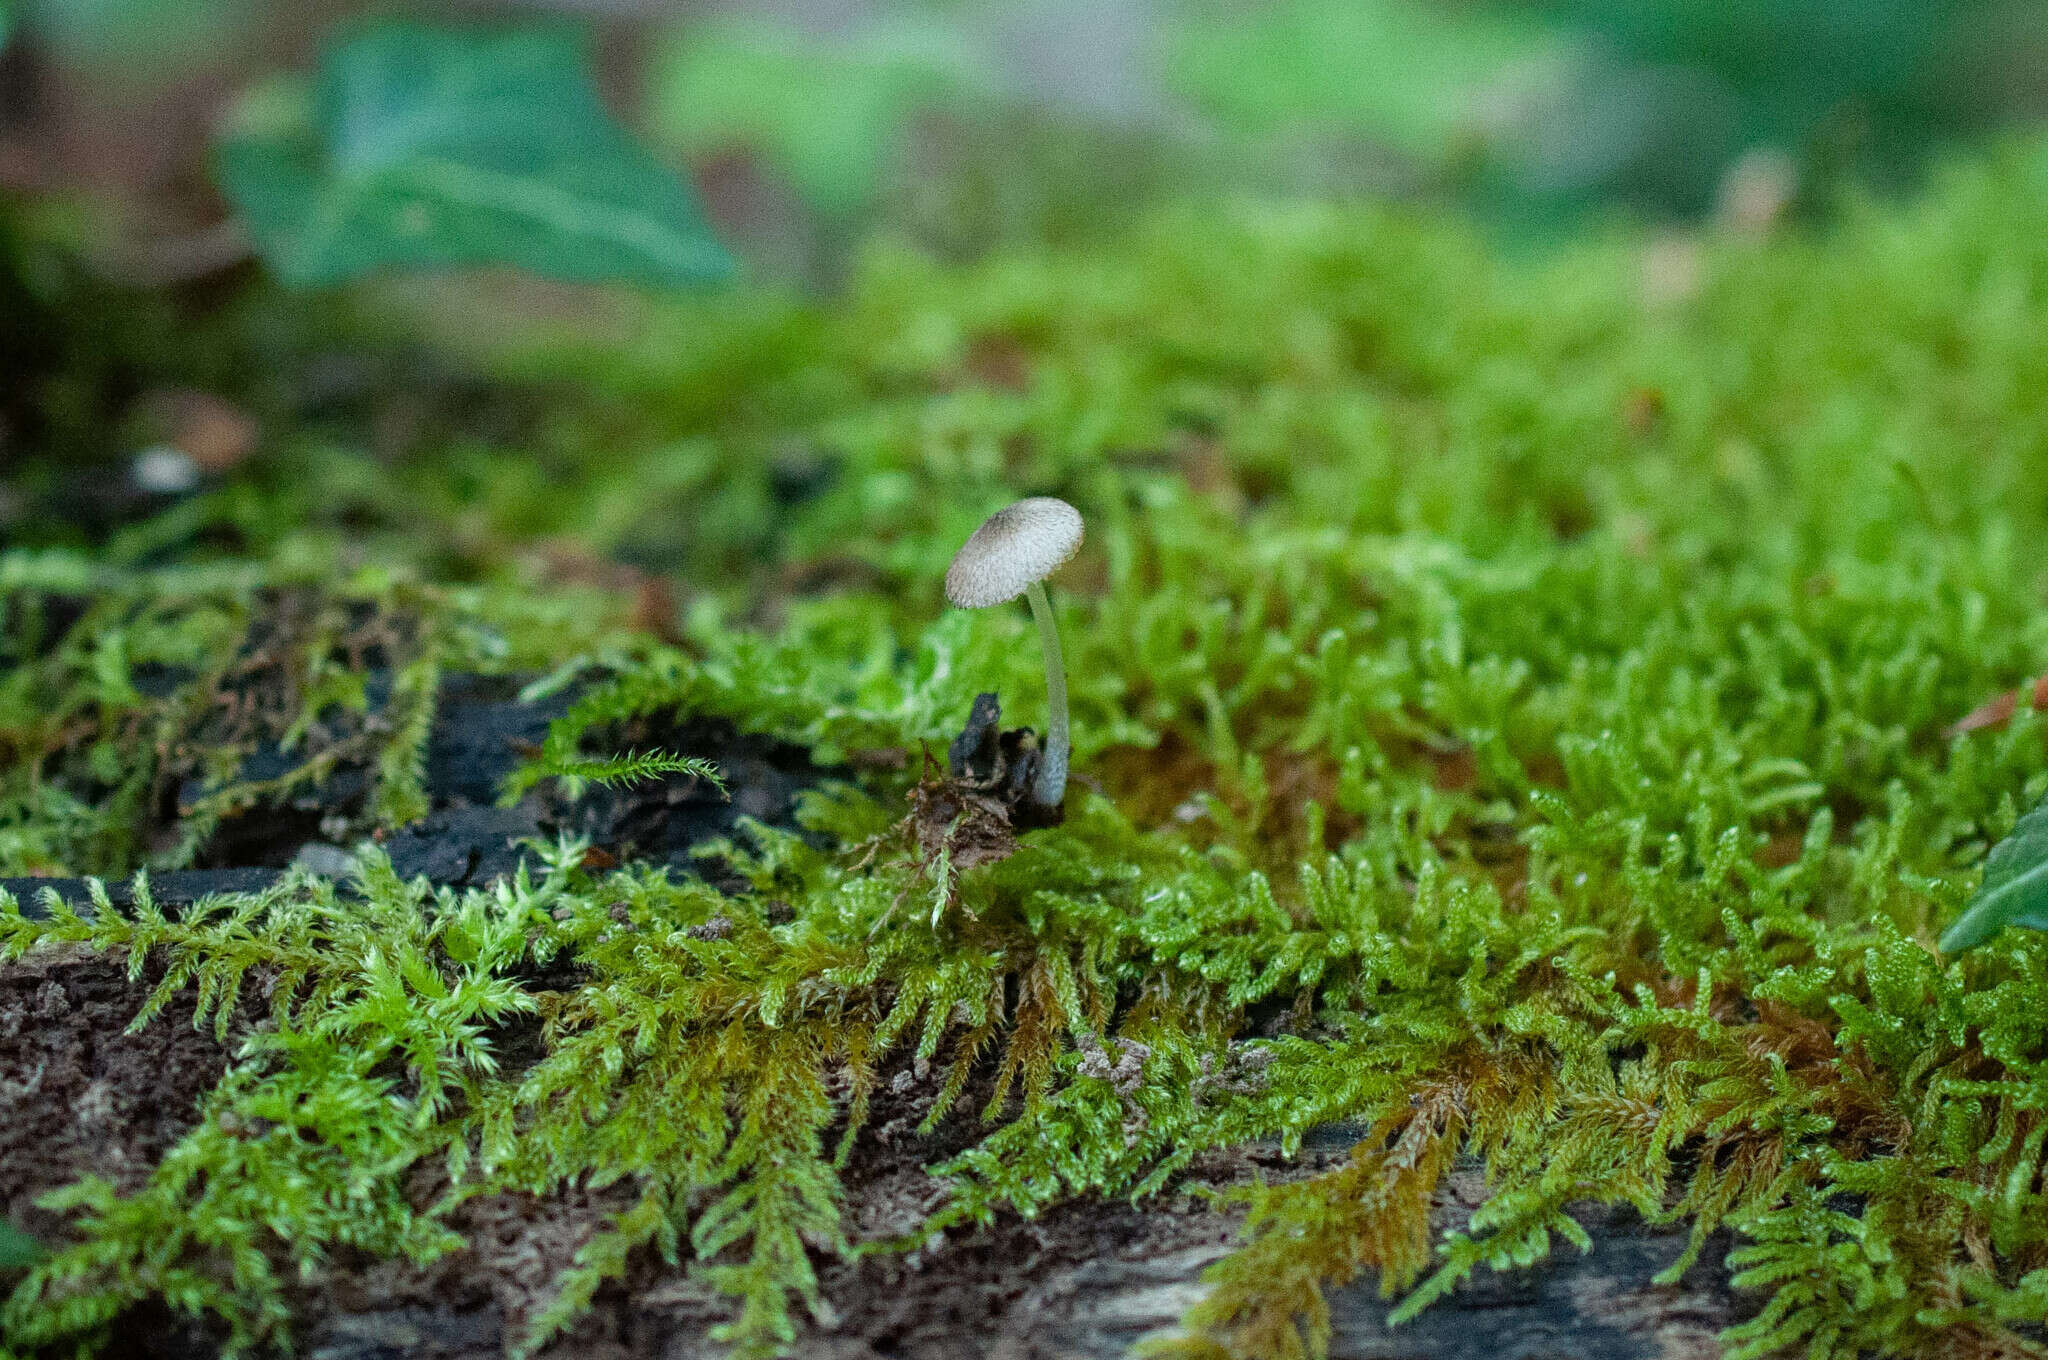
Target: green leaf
column 2015, row 887
column 423, row 147
column 18, row 1251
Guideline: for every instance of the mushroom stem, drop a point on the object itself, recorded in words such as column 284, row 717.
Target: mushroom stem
column 1051, row 784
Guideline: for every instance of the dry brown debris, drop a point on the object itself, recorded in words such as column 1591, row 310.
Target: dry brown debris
column 968, row 813
column 1998, row 711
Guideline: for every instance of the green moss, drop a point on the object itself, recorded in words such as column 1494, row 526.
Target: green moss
column 1535, row 688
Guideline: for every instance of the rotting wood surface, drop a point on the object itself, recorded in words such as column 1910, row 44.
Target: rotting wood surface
column 1086, row 1281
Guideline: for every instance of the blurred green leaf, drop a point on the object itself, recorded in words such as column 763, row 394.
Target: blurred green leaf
column 423, row 147
column 18, row 1251
column 1797, row 59
column 2015, row 887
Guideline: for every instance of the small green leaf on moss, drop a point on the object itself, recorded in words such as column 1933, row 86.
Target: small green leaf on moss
column 2015, row 887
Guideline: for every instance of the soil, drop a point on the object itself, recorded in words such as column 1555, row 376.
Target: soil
column 80, row 1095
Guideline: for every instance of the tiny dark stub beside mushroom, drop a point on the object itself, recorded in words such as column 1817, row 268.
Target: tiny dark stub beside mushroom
column 1000, row 764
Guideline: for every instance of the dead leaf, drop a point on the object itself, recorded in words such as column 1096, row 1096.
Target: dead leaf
column 999, row 361
column 968, row 813
column 955, row 823
column 1998, row 712
column 211, row 431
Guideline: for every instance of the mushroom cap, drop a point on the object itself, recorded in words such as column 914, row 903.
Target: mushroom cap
column 1016, row 546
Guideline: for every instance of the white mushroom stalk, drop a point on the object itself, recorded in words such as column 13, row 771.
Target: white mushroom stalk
column 1011, row 554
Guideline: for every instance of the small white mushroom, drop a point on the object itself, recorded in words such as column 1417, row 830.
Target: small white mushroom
column 1011, row 554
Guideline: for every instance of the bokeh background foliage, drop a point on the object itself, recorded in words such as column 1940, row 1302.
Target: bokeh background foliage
column 965, row 122
column 1521, row 665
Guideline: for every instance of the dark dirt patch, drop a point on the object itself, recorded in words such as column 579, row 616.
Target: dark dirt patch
column 168, row 890
column 1601, row 1305
column 665, row 821
column 1087, row 1279
column 471, row 1303
column 483, row 732
column 80, row 1096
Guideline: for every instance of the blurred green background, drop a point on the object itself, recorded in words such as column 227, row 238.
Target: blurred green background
column 809, row 124
column 229, row 226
